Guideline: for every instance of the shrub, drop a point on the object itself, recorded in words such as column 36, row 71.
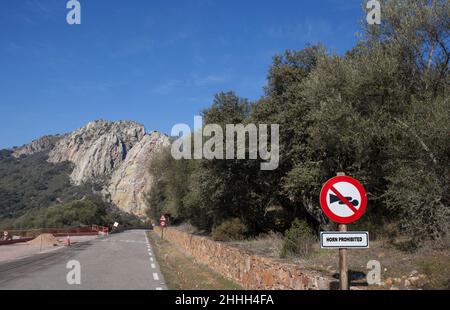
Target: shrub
column 229, row 230
column 298, row 240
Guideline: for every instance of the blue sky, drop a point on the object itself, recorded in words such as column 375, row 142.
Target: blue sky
column 155, row 62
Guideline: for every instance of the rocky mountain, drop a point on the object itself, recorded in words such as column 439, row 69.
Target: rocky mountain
column 113, row 154
column 45, row 143
column 97, row 149
column 131, row 181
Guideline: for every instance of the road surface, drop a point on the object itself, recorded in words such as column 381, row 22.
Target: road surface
column 123, row 261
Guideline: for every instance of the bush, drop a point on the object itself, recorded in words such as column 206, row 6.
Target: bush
column 229, row 230
column 298, row 240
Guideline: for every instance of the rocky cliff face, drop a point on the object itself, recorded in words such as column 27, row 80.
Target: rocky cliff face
column 114, row 154
column 45, row 143
column 97, row 149
column 131, row 181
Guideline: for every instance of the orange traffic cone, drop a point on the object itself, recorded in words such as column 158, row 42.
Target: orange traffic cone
column 68, row 240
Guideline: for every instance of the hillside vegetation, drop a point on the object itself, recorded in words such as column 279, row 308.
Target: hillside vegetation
column 37, row 194
column 77, row 213
column 379, row 113
column 30, row 182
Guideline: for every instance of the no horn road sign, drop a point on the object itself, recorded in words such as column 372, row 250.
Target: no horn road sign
column 343, row 199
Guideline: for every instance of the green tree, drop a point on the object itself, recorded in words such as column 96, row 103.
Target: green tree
column 379, row 113
column 171, row 180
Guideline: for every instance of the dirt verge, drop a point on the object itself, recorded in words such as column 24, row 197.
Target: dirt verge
column 182, row 272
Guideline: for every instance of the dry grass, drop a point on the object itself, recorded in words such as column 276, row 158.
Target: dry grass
column 187, row 228
column 268, row 245
column 182, row 272
column 430, row 260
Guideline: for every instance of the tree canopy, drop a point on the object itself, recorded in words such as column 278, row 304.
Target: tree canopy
column 379, row 113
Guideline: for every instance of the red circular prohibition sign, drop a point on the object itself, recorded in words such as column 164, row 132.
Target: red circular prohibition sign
column 357, row 213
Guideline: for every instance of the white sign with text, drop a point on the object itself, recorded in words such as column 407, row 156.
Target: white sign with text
column 351, row 239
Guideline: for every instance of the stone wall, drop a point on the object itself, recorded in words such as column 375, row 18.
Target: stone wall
column 250, row 271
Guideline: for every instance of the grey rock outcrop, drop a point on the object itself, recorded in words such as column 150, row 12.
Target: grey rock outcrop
column 113, row 154
column 45, row 143
column 97, row 149
column 131, row 180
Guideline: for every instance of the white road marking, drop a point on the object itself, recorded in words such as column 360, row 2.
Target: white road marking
column 155, row 275
column 126, row 241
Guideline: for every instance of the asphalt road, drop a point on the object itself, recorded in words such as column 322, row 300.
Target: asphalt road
column 123, row 261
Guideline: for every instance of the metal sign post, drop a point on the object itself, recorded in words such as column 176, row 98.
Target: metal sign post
column 343, row 200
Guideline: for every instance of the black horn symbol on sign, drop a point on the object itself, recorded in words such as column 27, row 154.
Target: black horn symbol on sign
column 334, row 198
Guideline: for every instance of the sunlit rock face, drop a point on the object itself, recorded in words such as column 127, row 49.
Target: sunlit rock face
column 97, row 149
column 115, row 155
column 131, row 180
column 42, row 144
